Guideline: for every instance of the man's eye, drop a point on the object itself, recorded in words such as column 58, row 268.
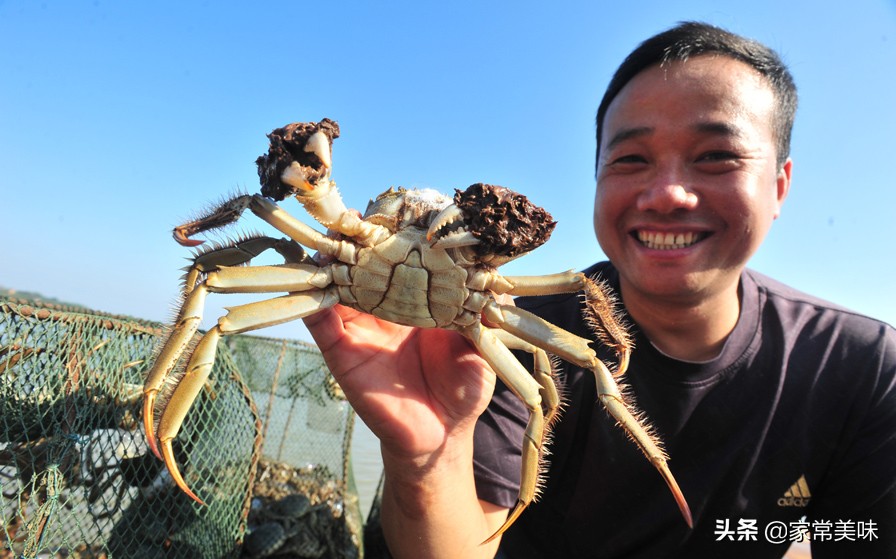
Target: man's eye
column 718, row 156
column 629, row 159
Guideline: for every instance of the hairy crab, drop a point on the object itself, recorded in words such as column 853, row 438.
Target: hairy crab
column 417, row 258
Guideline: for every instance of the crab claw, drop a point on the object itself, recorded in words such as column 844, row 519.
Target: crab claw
column 319, row 145
column 451, row 214
column 182, row 239
column 222, row 215
column 448, row 230
column 295, row 177
column 298, row 160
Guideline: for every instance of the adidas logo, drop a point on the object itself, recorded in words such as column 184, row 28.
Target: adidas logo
column 797, row 496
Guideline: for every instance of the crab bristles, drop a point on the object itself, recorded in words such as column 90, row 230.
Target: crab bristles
column 222, row 214
column 607, row 320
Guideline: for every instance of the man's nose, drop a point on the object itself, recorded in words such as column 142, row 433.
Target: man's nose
column 666, row 194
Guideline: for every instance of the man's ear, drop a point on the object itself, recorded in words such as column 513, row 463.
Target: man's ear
column 783, row 183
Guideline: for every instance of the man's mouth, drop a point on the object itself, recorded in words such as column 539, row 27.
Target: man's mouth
column 658, row 240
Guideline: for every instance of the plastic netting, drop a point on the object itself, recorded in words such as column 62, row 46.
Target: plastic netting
column 307, row 430
column 78, row 479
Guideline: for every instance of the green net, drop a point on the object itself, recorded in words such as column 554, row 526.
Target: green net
column 307, row 428
column 78, row 479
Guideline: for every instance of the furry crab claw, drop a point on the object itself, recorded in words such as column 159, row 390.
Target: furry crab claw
column 295, row 175
column 417, row 258
column 447, row 230
column 500, row 223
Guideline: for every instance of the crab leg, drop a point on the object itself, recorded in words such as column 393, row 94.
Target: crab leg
column 542, row 372
column 240, row 253
column 528, row 390
column 230, row 211
column 576, row 350
column 190, row 315
column 602, row 315
column 564, row 282
column 270, row 279
column 186, row 327
column 182, row 398
column 300, row 232
column 243, row 318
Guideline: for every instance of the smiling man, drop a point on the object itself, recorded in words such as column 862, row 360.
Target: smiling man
column 689, row 182
column 778, row 409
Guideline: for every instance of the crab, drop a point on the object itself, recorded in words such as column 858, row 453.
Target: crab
column 417, row 258
column 290, row 526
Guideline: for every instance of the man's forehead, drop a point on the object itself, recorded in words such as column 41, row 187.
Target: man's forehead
column 712, row 95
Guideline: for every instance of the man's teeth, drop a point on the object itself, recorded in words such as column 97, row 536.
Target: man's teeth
column 667, row 241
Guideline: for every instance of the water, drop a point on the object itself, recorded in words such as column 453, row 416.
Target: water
column 367, row 463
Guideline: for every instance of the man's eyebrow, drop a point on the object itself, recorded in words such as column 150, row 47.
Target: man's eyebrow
column 719, row 128
column 715, row 128
column 627, row 134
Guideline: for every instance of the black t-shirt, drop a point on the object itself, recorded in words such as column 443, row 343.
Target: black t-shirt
column 791, row 428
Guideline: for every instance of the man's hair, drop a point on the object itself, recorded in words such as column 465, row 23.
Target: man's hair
column 689, row 39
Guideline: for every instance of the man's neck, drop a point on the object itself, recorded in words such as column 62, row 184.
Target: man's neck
column 686, row 330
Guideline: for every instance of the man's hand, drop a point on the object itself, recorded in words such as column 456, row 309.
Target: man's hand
column 413, row 387
column 420, row 391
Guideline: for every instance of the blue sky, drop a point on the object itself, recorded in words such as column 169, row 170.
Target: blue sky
column 119, row 120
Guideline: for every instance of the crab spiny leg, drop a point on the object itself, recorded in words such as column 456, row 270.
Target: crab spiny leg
column 521, row 383
column 243, row 250
column 182, row 399
column 190, row 315
column 603, row 316
column 187, row 324
column 238, row 253
column 602, row 311
column 613, row 401
column 576, row 350
column 224, row 214
column 251, row 316
column 229, row 211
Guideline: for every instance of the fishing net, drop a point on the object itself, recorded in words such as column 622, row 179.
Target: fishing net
column 307, row 429
column 78, row 479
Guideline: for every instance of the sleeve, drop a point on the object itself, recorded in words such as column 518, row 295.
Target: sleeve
column 859, row 499
column 498, row 442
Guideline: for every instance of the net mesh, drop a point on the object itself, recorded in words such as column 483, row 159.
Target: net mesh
column 78, row 479
column 307, row 426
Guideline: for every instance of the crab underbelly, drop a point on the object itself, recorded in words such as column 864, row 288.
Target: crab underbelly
column 409, row 293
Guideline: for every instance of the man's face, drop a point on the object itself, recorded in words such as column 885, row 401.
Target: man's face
column 687, row 180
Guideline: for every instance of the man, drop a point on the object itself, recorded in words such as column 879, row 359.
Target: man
column 778, row 410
